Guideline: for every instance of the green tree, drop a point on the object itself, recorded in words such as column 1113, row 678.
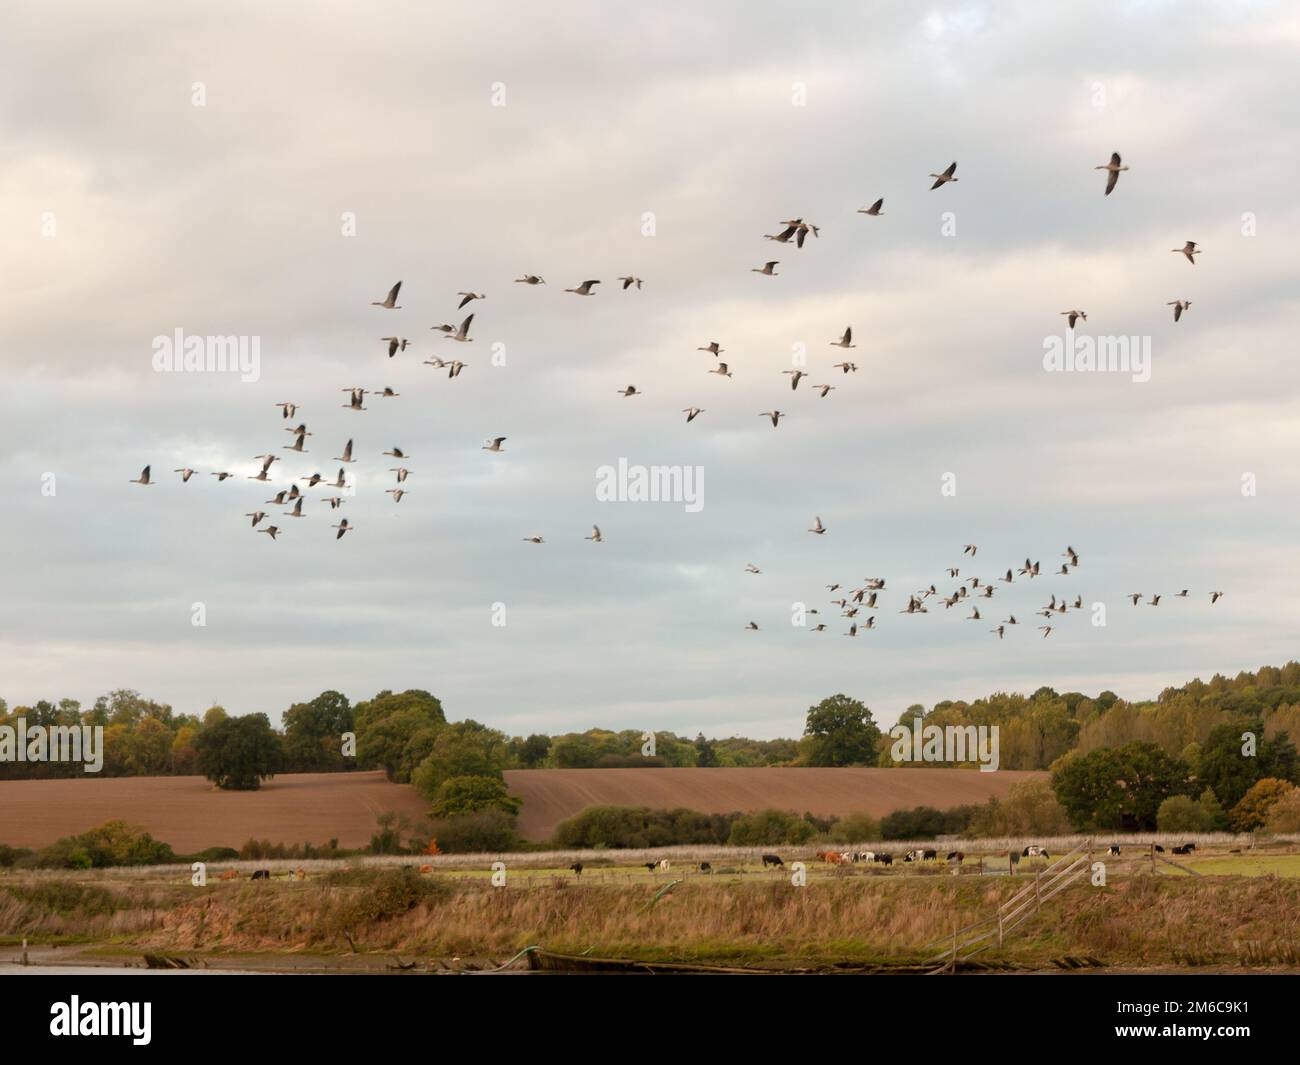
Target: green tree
column 463, row 749
column 237, row 754
column 839, row 731
column 313, row 732
column 1182, row 813
column 386, row 724
column 1117, row 788
column 469, row 794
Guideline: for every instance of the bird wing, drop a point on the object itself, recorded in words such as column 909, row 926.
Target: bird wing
column 392, row 293
column 1112, row 179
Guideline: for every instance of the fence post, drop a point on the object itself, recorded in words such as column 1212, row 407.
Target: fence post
column 999, row 929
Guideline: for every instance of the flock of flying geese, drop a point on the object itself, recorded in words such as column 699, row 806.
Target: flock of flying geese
column 793, row 230
column 860, row 603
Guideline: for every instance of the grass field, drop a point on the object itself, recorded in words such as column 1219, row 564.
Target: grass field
column 1244, row 910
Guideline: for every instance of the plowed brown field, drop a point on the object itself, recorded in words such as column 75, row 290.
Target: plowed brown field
column 190, row 814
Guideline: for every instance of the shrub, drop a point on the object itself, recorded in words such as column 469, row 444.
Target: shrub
column 483, row 830
column 769, row 828
column 640, row 827
column 1182, row 813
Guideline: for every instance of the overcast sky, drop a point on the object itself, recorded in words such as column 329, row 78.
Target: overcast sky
column 130, row 212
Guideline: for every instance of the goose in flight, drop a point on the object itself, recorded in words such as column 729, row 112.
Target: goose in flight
column 1154, row 601
column 629, row 391
column 462, row 334
column 278, row 499
column 751, row 568
column 358, row 398
column 1072, row 554
column 713, row 348
column 1215, row 597
column 396, row 493
column 338, row 482
column 943, row 179
column 775, row 415
column 186, row 473
column 818, row 527
column 533, row 540
column 530, row 279
column 784, row 236
column 1181, row 595
column 494, row 444
column 818, row 628
column 1190, row 250
column 768, row 268
column 629, row 281
column 342, row 527
column 846, row 341
column 454, row 368
column 335, row 502
column 1074, row 316
column 444, row 328
column 271, row 530
column 143, row 478
column 824, row 389
column 468, row 297
column 436, row 363
column 313, row 480
column 584, row 289
column 298, row 441
column 595, row 537
column 1011, row 620
column 390, row 302
column 969, row 549
column 1113, row 168
column 261, row 475
column 721, row 368
column 752, row 627
column 874, row 209
column 853, row 630
column 1179, row 306
column 999, row 630
column 256, row 515
column 347, row 454
column 402, row 473
column 297, row 509
column 395, row 344
column 221, row 476
column 803, row 230
column 397, row 453
column 288, row 410
column 387, row 393
column 846, row 367
column 1046, row 630
column 795, row 377
column 692, row 413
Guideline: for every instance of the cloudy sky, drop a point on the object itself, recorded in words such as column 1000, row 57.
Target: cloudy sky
column 474, row 143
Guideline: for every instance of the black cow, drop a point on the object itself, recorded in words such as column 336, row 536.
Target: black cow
column 705, row 867
column 652, row 866
column 1186, row 848
column 577, row 868
column 772, row 859
column 885, row 859
column 261, row 874
column 929, row 856
column 1159, row 849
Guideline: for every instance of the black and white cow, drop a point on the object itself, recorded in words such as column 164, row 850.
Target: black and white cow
column 921, row 856
column 1114, row 849
column 956, row 856
column 1033, row 851
column 864, row 856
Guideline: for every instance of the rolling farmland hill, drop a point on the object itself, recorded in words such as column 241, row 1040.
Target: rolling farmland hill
column 190, row 814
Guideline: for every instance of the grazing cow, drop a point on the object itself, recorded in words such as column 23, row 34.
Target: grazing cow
column 921, row 856
column 705, row 867
column 930, row 856
column 426, row 869
column 1114, row 849
column 772, row 859
column 1186, row 848
column 864, row 856
column 663, row 865
column 230, row 874
column 577, row 868
column 831, row 857
column 1159, row 849
column 884, row 859
column 652, row 866
column 956, row 856
column 261, row 874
